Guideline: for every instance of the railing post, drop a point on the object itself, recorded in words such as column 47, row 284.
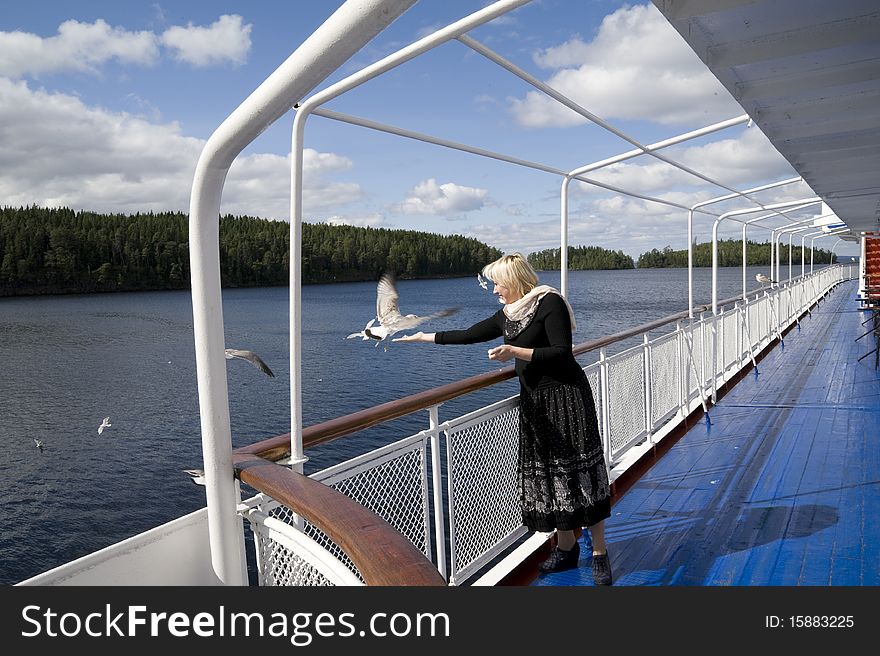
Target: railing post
column 606, row 405
column 437, row 490
column 649, row 410
column 737, row 308
column 713, row 355
column 702, row 380
column 683, row 372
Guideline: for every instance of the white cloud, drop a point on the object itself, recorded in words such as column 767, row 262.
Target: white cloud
column 736, row 162
column 226, row 39
column 59, row 152
column 374, row 220
column 637, row 67
column 428, row 197
column 76, row 47
column 85, row 47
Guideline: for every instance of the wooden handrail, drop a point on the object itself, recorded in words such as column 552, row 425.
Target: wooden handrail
column 382, row 554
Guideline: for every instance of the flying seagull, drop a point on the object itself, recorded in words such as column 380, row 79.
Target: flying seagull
column 483, row 282
column 388, row 312
column 251, row 357
column 197, row 475
column 39, row 443
column 104, row 424
column 366, row 333
column 764, row 280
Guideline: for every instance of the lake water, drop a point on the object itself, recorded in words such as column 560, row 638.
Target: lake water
column 69, row 361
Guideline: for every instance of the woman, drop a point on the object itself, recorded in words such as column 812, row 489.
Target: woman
column 561, row 472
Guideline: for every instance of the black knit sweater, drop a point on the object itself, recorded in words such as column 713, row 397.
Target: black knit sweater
column 548, row 333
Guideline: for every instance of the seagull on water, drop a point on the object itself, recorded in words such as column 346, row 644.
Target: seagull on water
column 39, row 443
column 483, row 282
column 197, row 475
column 104, row 424
column 388, row 312
column 251, row 357
column 764, row 280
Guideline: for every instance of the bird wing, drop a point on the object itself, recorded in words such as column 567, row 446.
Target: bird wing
column 387, row 308
column 251, row 357
column 412, row 320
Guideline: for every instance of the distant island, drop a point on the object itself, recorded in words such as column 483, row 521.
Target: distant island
column 581, row 258
column 62, row 251
column 729, row 254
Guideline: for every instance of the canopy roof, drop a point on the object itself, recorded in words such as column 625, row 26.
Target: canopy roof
column 808, row 73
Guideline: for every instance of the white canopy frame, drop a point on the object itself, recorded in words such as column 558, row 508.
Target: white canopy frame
column 745, row 226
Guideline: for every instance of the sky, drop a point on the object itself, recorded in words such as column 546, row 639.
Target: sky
column 106, row 106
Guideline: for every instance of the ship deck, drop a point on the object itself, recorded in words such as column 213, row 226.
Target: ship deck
column 781, row 488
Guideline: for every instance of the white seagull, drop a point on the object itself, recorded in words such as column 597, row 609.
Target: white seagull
column 251, row 357
column 764, row 280
column 39, row 443
column 197, row 475
column 366, row 333
column 388, row 312
column 104, row 424
column 483, row 282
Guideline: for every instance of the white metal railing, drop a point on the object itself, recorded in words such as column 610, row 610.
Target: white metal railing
column 462, row 511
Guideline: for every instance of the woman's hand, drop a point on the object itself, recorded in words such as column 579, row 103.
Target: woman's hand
column 502, row 353
column 416, row 337
column 507, row 352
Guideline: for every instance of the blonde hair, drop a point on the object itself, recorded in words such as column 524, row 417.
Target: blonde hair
column 512, row 271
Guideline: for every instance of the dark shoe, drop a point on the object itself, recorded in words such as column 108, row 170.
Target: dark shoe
column 561, row 560
column 601, row 569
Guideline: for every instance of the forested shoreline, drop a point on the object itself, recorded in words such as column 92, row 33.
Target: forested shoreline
column 62, row 251
column 729, row 254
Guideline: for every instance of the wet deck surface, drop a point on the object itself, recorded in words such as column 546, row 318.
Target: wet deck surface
column 782, row 489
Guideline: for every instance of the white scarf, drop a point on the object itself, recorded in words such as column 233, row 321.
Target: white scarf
column 519, row 310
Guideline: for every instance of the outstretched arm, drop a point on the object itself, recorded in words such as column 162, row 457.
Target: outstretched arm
column 482, row 331
column 416, row 337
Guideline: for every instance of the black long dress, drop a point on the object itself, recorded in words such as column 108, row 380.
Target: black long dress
column 561, row 472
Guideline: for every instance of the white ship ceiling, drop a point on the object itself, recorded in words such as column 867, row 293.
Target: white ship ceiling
column 808, row 73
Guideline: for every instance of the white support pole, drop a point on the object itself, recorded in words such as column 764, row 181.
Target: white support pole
column 803, row 256
column 563, row 237
column 649, row 408
column 437, row 486
column 745, row 260
column 344, row 33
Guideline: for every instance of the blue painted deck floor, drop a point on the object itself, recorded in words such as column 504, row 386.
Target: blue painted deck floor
column 782, row 489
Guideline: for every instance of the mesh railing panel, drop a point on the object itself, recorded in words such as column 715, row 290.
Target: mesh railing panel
column 484, row 503
column 730, row 339
column 626, row 384
column 692, row 361
column 394, row 489
column 279, row 566
column 665, row 376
